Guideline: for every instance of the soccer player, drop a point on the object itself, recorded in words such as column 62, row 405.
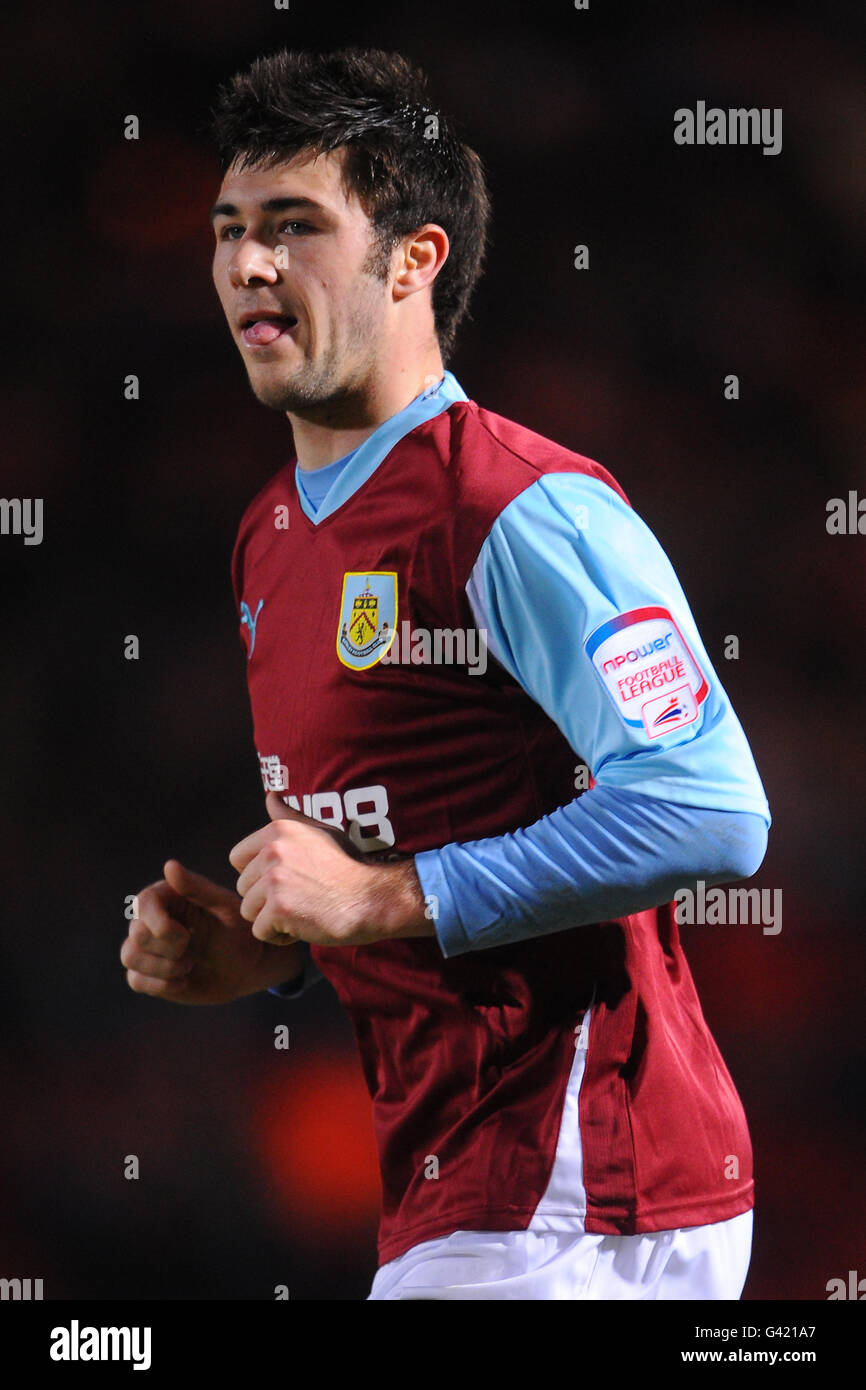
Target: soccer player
column 452, row 625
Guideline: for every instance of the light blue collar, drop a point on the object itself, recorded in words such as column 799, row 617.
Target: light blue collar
column 367, row 457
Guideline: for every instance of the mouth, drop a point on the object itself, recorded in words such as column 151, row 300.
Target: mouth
column 262, row 329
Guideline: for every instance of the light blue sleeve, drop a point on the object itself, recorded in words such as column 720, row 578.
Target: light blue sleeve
column 607, row 854
column 581, row 605
column 578, row 601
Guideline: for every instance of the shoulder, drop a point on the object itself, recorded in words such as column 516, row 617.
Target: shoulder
column 501, row 456
column 497, row 474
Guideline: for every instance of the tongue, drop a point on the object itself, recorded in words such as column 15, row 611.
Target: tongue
column 263, row 331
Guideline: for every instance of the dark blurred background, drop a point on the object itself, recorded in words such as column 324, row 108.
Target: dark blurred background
column 257, row 1165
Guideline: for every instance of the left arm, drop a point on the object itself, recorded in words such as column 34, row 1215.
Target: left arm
column 579, row 603
column 582, row 607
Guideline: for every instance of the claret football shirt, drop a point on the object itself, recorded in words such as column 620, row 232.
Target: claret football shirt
column 470, row 613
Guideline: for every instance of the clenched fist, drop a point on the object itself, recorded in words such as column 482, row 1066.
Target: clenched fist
column 191, row 945
column 301, row 880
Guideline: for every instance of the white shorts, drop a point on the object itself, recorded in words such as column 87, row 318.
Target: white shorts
column 708, row 1262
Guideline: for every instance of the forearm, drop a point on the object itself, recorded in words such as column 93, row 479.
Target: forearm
column 605, row 855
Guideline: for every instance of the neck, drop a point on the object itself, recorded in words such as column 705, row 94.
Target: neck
column 326, row 433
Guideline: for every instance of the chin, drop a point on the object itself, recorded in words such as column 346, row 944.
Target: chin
column 306, row 391
column 275, row 392
column 275, row 397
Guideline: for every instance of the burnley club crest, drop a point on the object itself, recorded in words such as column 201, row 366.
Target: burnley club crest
column 368, row 618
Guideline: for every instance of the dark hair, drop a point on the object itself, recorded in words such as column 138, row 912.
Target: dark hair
column 402, row 159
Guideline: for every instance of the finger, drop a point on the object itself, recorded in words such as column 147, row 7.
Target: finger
column 254, row 897
column 157, row 967
column 195, row 888
column 278, row 810
column 269, row 857
column 246, row 850
column 276, row 931
column 160, row 932
column 139, row 934
column 144, row 940
column 158, row 898
column 276, row 927
column 158, row 989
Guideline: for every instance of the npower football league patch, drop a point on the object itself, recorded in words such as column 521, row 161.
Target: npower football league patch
column 648, row 670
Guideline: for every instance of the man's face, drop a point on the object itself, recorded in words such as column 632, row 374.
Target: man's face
column 290, row 244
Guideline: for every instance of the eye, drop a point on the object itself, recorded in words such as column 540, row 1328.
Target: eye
column 304, row 225
column 224, row 233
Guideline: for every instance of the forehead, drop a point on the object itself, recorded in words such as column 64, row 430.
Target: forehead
column 316, row 176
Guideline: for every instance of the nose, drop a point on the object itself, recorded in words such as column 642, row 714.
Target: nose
column 252, row 261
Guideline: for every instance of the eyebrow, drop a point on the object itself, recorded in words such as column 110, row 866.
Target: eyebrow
column 270, row 205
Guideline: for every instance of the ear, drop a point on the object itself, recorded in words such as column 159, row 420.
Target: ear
column 421, row 257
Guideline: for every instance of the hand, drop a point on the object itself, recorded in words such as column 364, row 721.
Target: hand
column 301, row 880
column 191, row 945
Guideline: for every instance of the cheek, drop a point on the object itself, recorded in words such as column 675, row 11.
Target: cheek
column 219, row 273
